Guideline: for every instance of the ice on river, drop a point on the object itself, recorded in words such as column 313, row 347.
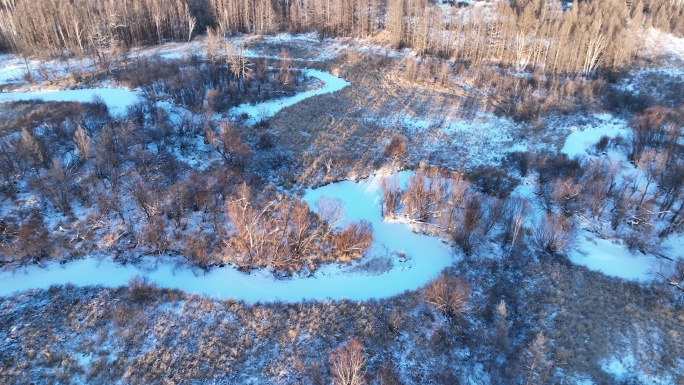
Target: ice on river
column 416, row 259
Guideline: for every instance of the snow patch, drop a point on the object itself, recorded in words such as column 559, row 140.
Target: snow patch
column 627, row 368
column 117, row 100
column 12, row 69
column 583, row 138
column 612, row 258
column 666, row 47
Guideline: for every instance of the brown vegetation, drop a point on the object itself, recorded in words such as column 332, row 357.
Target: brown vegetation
column 146, row 334
column 588, row 36
column 347, row 364
column 288, row 237
column 448, row 294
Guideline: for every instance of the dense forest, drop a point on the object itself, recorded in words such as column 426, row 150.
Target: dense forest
column 554, row 37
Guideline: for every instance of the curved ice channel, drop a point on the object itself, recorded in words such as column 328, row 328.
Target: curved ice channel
column 415, row 259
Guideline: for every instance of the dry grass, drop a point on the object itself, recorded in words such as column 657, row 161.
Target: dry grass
column 99, row 335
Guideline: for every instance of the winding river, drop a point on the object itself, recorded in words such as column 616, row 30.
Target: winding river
column 410, row 260
column 406, row 260
column 119, row 99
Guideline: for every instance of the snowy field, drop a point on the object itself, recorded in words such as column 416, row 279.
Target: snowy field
column 612, row 257
column 415, row 259
column 11, row 69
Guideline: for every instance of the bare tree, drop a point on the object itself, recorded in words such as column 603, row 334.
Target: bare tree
column 597, row 185
column 329, row 212
column 352, row 241
column 500, row 343
column 30, row 151
column 456, row 190
column 228, row 144
column 155, row 236
column 347, row 364
column 32, row 242
column 537, row 361
column 397, row 147
column 565, row 195
column 422, row 195
column 249, row 242
column 57, row 184
column 502, row 325
column 190, row 21
column 672, row 273
column 146, row 198
column 554, row 234
column 196, row 247
column 475, row 221
column 82, row 142
column 653, row 164
column 391, row 195
column 514, row 216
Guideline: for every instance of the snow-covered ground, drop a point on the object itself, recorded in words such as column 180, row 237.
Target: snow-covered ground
column 331, row 83
column 612, row 257
column 116, row 99
column 609, row 256
column 627, row 368
column 415, row 259
column 12, row 68
column 664, row 48
column 581, row 139
column 169, row 50
column 445, row 136
column 312, row 49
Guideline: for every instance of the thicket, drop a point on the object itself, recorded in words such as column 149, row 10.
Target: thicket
column 225, row 80
column 587, row 36
column 447, row 204
column 122, row 186
column 640, row 206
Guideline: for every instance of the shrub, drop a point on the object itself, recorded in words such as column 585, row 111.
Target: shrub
column 32, row 242
column 353, row 240
column 141, row 290
column 554, row 234
column 448, row 294
column 519, row 160
column 397, row 148
column 493, row 181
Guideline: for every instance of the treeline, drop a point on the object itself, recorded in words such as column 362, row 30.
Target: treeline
column 91, row 27
column 533, row 33
column 523, row 34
